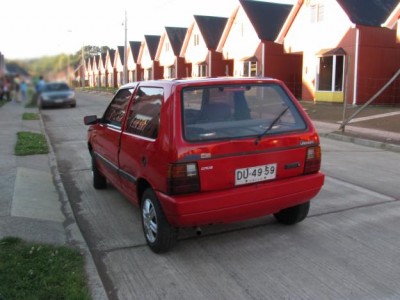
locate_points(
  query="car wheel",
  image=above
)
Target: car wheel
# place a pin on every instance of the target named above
(159, 234)
(73, 105)
(99, 181)
(293, 215)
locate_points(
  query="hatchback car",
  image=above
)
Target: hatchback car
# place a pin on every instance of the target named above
(56, 94)
(206, 151)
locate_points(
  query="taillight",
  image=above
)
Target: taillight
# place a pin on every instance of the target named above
(183, 178)
(313, 160)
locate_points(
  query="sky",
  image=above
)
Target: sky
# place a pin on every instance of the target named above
(33, 29)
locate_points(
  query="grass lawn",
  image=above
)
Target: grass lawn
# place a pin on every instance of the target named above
(40, 271)
(30, 116)
(29, 143)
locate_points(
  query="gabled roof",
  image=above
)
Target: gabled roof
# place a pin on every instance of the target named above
(368, 12)
(152, 42)
(135, 49)
(112, 55)
(176, 36)
(103, 59)
(14, 69)
(211, 29)
(393, 18)
(121, 53)
(267, 18)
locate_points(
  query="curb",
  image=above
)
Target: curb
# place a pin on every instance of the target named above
(72, 230)
(362, 141)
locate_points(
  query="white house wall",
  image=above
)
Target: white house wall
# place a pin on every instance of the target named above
(167, 56)
(241, 42)
(146, 62)
(196, 54)
(310, 38)
(305, 36)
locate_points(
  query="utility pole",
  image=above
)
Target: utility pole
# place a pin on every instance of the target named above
(125, 49)
(83, 68)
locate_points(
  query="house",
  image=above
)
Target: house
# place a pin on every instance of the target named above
(347, 55)
(168, 52)
(133, 68)
(102, 70)
(89, 70)
(248, 41)
(95, 70)
(200, 47)
(119, 64)
(110, 70)
(147, 58)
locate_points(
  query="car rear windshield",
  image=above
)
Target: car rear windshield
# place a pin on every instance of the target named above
(236, 111)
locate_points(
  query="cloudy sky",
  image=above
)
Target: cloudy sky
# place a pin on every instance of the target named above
(31, 29)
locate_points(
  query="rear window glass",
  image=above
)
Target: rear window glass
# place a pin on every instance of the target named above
(235, 111)
(52, 87)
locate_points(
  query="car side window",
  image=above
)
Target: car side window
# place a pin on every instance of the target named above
(117, 108)
(144, 114)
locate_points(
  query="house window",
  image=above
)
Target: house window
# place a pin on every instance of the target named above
(196, 39)
(250, 69)
(170, 72)
(148, 74)
(167, 47)
(202, 70)
(316, 13)
(331, 73)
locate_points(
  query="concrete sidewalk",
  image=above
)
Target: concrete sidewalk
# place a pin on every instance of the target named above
(375, 126)
(33, 203)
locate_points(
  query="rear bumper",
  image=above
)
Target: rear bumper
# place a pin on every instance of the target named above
(240, 203)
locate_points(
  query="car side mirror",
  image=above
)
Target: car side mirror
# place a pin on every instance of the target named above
(90, 120)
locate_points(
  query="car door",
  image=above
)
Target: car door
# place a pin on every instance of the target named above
(138, 155)
(107, 138)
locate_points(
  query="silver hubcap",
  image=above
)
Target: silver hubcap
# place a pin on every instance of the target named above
(149, 220)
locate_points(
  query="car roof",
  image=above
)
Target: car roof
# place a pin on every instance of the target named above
(202, 80)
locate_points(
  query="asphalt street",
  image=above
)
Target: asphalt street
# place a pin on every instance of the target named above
(346, 249)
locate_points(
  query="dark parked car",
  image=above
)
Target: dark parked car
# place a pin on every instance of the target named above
(56, 94)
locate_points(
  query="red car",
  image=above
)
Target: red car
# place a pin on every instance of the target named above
(205, 151)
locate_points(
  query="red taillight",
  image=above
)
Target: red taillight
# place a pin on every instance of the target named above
(183, 179)
(313, 160)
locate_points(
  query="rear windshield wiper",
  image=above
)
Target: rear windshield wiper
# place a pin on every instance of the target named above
(271, 125)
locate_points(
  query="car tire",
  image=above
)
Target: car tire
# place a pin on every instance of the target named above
(99, 180)
(73, 105)
(159, 234)
(294, 214)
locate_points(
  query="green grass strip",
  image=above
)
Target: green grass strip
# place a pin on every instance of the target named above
(30, 116)
(40, 271)
(29, 143)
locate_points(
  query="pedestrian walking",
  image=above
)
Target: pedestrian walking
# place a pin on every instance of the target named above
(24, 90)
(6, 89)
(16, 89)
(1, 88)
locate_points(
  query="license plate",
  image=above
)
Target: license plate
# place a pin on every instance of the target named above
(58, 101)
(255, 174)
